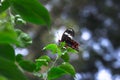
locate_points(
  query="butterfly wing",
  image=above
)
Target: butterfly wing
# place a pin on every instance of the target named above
(67, 37)
(68, 34)
(74, 45)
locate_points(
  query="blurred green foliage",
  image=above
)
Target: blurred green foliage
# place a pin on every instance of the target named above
(11, 37)
(11, 65)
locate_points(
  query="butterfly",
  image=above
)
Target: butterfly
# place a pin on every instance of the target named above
(67, 37)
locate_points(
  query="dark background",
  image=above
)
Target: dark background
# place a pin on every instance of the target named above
(97, 27)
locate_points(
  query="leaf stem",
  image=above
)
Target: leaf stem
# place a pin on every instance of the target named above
(45, 78)
(55, 61)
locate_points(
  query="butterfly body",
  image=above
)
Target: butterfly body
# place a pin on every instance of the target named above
(67, 37)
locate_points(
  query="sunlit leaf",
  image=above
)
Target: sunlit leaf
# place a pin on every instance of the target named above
(62, 44)
(61, 70)
(51, 47)
(68, 68)
(55, 72)
(43, 60)
(71, 50)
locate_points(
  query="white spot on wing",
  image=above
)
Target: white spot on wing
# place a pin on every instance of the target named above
(68, 35)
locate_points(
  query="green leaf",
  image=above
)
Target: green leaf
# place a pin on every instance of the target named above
(9, 70)
(19, 57)
(4, 5)
(52, 47)
(61, 70)
(62, 44)
(7, 34)
(55, 72)
(3, 78)
(65, 57)
(23, 39)
(43, 60)
(32, 11)
(71, 50)
(24, 64)
(3, 16)
(7, 52)
(66, 49)
(27, 65)
(68, 68)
